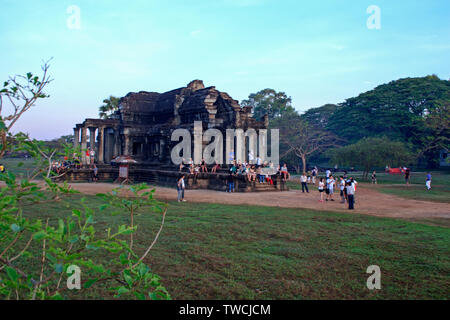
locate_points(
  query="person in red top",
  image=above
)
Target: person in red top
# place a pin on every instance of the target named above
(88, 156)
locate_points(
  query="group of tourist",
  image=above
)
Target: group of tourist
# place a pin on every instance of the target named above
(347, 187)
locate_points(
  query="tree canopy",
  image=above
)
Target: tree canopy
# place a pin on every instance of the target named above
(108, 108)
(372, 152)
(270, 102)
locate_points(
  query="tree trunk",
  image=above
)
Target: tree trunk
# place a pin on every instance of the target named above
(304, 163)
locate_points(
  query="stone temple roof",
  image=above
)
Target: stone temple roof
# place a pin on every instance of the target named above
(192, 98)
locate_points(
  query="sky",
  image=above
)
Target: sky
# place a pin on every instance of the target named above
(318, 52)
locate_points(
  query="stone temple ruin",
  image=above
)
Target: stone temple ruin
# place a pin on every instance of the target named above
(142, 128)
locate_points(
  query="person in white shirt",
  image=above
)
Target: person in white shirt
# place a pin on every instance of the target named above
(180, 188)
(321, 189)
(92, 155)
(303, 180)
(342, 187)
(250, 157)
(330, 188)
(350, 186)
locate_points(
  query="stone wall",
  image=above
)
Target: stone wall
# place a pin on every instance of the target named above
(168, 178)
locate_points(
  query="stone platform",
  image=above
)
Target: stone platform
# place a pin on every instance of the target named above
(167, 177)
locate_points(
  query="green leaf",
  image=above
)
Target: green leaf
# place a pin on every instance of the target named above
(12, 274)
(89, 283)
(123, 258)
(39, 235)
(127, 277)
(139, 295)
(122, 290)
(143, 269)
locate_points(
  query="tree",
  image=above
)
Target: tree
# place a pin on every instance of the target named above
(319, 117)
(269, 102)
(299, 137)
(436, 130)
(20, 93)
(399, 110)
(108, 108)
(369, 153)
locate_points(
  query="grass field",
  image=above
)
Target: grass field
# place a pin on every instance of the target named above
(212, 251)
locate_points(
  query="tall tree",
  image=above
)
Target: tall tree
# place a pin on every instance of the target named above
(108, 108)
(270, 102)
(302, 139)
(319, 117)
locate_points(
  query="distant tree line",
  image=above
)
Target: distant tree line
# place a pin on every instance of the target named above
(410, 116)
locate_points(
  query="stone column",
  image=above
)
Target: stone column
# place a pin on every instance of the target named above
(76, 139)
(116, 143)
(101, 143)
(92, 137)
(126, 150)
(83, 144)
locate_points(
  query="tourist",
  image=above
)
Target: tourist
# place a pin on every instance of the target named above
(250, 157)
(314, 174)
(330, 187)
(342, 187)
(304, 182)
(196, 171)
(321, 189)
(407, 175)
(88, 156)
(180, 168)
(269, 179)
(354, 185)
(327, 173)
(252, 174)
(374, 177)
(233, 169)
(350, 194)
(92, 156)
(95, 173)
(230, 182)
(428, 182)
(259, 173)
(258, 161)
(180, 188)
(204, 167)
(231, 156)
(215, 168)
(284, 172)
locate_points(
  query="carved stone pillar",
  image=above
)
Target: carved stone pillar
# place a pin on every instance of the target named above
(76, 139)
(83, 144)
(126, 150)
(101, 144)
(116, 143)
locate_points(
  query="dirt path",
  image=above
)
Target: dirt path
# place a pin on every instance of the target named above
(368, 201)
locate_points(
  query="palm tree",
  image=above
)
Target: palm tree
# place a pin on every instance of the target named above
(109, 106)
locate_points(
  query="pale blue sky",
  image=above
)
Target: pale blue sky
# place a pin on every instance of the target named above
(317, 51)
